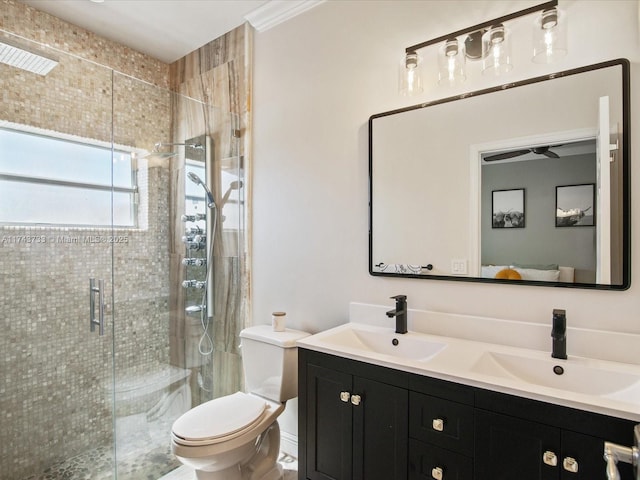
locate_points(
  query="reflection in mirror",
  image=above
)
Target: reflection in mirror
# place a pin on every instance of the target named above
(530, 177)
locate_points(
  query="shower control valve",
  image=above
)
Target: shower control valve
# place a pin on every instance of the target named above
(187, 238)
(193, 230)
(193, 218)
(195, 262)
(194, 284)
(195, 245)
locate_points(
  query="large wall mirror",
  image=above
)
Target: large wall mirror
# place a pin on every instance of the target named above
(526, 183)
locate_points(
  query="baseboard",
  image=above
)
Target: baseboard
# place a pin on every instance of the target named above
(289, 444)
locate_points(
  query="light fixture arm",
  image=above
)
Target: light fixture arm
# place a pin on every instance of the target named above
(481, 26)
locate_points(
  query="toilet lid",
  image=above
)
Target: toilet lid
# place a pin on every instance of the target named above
(219, 418)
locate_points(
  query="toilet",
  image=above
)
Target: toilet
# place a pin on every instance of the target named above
(237, 437)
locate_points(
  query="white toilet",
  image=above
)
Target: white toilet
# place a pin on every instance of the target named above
(237, 437)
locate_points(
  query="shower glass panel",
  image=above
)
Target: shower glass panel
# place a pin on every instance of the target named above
(55, 406)
(86, 198)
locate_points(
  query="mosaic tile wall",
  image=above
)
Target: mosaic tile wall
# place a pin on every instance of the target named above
(56, 378)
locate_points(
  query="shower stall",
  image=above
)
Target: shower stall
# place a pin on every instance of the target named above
(104, 339)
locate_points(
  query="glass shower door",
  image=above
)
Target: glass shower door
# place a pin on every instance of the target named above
(56, 233)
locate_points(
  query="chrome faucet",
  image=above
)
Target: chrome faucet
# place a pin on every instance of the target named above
(400, 313)
(559, 334)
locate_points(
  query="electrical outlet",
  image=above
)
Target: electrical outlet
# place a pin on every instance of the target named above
(459, 266)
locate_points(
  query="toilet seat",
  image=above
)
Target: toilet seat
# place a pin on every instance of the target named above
(219, 420)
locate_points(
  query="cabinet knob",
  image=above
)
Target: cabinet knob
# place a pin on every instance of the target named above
(550, 458)
(437, 473)
(570, 464)
(438, 424)
(356, 399)
(345, 396)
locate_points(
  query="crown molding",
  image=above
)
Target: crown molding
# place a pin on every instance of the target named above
(275, 12)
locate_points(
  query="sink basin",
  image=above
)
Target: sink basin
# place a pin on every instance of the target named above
(412, 346)
(575, 375)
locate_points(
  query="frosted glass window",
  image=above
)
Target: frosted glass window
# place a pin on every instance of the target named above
(46, 180)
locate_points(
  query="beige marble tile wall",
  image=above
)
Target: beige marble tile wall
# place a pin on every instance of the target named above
(55, 375)
(219, 74)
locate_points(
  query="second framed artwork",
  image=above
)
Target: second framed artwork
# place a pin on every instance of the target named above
(507, 208)
(575, 205)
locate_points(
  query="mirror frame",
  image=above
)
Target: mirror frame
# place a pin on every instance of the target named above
(626, 183)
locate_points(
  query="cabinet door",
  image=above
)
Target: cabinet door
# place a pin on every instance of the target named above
(428, 462)
(380, 431)
(582, 458)
(328, 422)
(509, 448)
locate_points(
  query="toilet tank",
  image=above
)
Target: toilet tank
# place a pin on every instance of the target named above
(270, 362)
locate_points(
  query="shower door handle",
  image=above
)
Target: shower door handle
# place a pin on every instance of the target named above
(92, 305)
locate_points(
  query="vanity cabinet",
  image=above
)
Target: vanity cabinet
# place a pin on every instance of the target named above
(354, 420)
(359, 421)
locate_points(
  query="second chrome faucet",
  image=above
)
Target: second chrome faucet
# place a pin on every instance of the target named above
(400, 313)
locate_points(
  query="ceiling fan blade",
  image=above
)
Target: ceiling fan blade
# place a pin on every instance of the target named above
(505, 155)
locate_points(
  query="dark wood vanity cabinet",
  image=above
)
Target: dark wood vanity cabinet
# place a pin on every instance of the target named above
(364, 422)
(353, 422)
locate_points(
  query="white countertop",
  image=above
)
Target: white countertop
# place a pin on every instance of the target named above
(470, 362)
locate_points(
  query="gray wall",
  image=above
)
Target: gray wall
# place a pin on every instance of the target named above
(573, 247)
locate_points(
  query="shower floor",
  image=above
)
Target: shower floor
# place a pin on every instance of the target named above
(97, 464)
(158, 464)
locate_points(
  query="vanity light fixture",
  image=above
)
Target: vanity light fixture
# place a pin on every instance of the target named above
(488, 41)
(549, 36)
(451, 62)
(496, 50)
(410, 74)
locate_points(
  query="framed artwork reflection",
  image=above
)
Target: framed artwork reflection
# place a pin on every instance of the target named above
(575, 205)
(507, 208)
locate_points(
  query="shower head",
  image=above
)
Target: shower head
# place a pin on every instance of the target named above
(198, 181)
(156, 153)
(159, 145)
(159, 155)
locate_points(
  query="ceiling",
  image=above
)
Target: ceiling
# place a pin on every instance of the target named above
(168, 29)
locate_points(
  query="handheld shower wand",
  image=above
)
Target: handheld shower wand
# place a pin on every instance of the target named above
(211, 203)
(232, 186)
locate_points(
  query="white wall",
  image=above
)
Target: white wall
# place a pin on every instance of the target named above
(318, 78)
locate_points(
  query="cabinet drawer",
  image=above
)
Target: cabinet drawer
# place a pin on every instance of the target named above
(441, 422)
(425, 460)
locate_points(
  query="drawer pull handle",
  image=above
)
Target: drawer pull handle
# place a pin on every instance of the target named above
(550, 458)
(437, 473)
(570, 464)
(345, 396)
(356, 399)
(438, 424)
